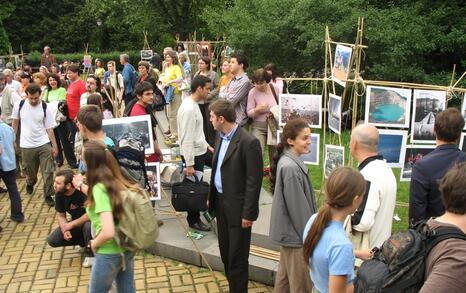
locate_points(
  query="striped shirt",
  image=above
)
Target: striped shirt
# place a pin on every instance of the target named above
(237, 93)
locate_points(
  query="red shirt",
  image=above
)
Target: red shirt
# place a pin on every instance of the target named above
(73, 97)
(139, 110)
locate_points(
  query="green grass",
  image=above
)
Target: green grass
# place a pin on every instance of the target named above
(316, 175)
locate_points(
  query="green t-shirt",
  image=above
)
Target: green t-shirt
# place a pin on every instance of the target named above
(102, 204)
(55, 95)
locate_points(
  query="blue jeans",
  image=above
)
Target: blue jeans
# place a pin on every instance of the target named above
(9, 177)
(109, 267)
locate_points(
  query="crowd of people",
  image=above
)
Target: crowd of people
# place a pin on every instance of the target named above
(225, 123)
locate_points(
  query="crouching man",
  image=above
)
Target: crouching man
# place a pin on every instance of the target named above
(69, 199)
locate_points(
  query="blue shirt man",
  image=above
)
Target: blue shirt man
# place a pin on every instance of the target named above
(226, 138)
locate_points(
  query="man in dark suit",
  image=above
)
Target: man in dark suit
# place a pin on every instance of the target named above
(425, 200)
(234, 191)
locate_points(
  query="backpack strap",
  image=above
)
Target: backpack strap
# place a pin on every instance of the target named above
(21, 104)
(274, 93)
(443, 233)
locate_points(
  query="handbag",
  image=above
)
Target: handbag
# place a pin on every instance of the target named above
(190, 196)
(360, 240)
(272, 123)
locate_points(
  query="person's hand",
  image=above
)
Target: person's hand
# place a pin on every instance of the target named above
(211, 149)
(54, 151)
(68, 226)
(190, 171)
(364, 254)
(67, 235)
(262, 107)
(246, 223)
(93, 247)
(78, 180)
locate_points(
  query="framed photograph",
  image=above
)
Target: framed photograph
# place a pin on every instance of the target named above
(463, 109)
(413, 154)
(87, 61)
(334, 158)
(392, 146)
(137, 127)
(388, 106)
(307, 107)
(153, 175)
(427, 104)
(334, 113)
(312, 158)
(462, 145)
(147, 55)
(342, 64)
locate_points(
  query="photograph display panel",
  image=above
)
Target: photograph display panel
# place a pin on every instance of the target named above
(312, 158)
(307, 107)
(413, 154)
(392, 146)
(427, 104)
(153, 176)
(334, 114)
(334, 158)
(388, 106)
(463, 110)
(136, 127)
(462, 145)
(342, 64)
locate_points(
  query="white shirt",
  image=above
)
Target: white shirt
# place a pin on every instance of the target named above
(16, 85)
(33, 124)
(191, 131)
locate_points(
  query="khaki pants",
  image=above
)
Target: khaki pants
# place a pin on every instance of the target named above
(293, 273)
(35, 157)
(173, 112)
(259, 130)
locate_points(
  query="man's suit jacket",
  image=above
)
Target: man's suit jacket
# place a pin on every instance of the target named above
(241, 177)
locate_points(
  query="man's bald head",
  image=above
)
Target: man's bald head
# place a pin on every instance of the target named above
(367, 137)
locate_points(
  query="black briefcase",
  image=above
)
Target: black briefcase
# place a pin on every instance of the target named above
(190, 196)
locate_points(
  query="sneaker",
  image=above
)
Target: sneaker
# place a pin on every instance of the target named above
(49, 201)
(29, 188)
(200, 226)
(159, 223)
(88, 262)
(3, 189)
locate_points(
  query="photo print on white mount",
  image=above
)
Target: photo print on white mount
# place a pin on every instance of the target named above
(153, 177)
(463, 110)
(413, 154)
(342, 64)
(462, 145)
(311, 158)
(388, 106)
(307, 107)
(334, 158)
(129, 129)
(392, 146)
(334, 113)
(427, 104)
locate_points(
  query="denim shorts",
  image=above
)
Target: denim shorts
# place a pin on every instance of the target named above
(108, 268)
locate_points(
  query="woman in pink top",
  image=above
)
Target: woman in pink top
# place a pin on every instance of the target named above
(260, 99)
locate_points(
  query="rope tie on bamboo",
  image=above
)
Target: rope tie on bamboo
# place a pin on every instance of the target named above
(359, 80)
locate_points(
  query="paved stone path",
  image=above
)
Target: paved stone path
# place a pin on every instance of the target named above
(28, 264)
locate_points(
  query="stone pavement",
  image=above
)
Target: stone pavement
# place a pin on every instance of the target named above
(28, 264)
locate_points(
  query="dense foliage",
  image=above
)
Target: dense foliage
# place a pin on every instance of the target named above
(416, 41)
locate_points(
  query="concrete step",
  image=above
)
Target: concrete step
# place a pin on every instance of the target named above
(173, 243)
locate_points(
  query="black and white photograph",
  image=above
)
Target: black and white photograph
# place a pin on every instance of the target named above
(334, 158)
(147, 55)
(137, 127)
(392, 146)
(341, 66)
(462, 145)
(413, 154)
(334, 113)
(427, 104)
(388, 106)
(307, 107)
(153, 176)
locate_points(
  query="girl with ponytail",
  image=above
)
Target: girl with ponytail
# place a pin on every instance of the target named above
(327, 249)
(293, 204)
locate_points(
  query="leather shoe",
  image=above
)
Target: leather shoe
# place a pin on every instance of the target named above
(49, 201)
(200, 226)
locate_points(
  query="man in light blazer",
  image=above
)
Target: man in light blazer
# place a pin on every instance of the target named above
(234, 191)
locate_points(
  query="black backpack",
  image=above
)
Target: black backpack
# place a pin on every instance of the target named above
(399, 264)
(130, 154)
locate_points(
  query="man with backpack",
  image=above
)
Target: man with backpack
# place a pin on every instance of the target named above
(37, 140)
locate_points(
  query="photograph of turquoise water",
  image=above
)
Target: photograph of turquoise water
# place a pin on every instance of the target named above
(388, 113)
